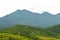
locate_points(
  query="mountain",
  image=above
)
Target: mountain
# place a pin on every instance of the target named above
(26, 17)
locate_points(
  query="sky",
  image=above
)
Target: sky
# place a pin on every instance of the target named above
(38, 6)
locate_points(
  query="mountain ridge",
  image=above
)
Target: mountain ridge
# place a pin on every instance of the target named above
(26, 17)
(30, 11)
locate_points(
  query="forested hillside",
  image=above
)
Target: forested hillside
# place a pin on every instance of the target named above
(55, 28)
(25, 32)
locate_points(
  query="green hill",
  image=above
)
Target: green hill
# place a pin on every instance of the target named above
(25, 32)
(55, 28)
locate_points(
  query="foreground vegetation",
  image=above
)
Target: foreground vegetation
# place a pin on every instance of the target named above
(24, 32)
(6, 36)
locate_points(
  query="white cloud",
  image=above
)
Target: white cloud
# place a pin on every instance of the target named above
(8, 6)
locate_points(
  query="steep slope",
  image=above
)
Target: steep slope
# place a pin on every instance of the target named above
(26, 17)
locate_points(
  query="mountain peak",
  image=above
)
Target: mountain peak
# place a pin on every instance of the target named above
(29, 18)
(24, 10)
(46, 13)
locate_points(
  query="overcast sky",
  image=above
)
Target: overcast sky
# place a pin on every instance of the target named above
(39, 6)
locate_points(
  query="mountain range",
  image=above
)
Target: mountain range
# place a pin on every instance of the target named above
(25, 17)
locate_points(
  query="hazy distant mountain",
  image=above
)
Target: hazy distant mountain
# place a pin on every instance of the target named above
(29, 18)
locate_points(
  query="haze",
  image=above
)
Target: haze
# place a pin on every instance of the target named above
(38, 6)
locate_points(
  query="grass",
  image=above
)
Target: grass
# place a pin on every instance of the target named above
(47, 38)
(23, 32)
(6, 36)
